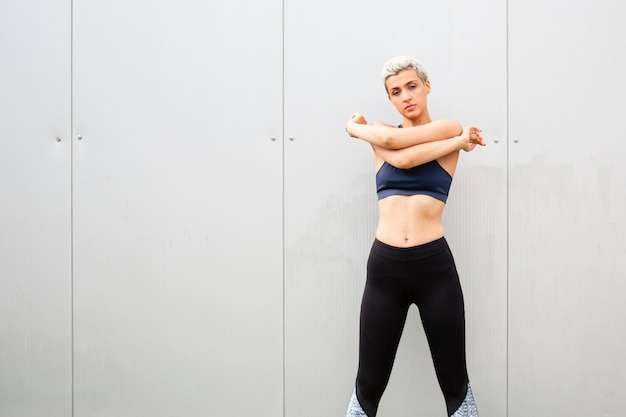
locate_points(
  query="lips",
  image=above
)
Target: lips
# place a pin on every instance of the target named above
(410, 107)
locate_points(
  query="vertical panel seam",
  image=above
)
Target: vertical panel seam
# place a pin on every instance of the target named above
(508, 209)
(72, 382)
(282, 161)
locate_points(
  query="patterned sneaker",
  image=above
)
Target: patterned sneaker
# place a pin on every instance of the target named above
(468, 406)
(354, 408)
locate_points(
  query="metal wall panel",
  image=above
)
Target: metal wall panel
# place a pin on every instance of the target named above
(178, 310)
(178, 208)
(35, 202)
(333, 56)
(567, 204)
(476, 213)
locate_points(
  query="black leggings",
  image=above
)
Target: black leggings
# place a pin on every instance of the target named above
(424, 275)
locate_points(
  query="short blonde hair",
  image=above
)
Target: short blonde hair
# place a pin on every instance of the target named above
(401, 63)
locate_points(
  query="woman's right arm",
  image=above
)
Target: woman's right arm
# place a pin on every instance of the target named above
(425, 152)
(388, 137)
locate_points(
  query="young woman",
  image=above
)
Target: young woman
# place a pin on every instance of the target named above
(410, 261)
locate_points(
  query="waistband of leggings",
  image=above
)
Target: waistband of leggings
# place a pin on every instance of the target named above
(413, 252)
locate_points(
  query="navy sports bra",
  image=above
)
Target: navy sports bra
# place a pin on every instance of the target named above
(428, 179)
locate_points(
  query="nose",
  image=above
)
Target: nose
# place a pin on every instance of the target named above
(405, 95)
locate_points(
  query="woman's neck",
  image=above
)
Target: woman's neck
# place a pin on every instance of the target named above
(421, 120)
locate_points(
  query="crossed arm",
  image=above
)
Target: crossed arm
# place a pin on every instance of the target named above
(413, 146)
(389, 137)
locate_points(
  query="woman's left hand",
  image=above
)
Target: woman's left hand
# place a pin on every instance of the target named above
(476, 136)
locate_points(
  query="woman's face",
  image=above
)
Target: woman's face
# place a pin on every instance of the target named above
(408, 94)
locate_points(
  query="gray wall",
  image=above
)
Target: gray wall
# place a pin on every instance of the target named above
(186, 225)
(35, 209)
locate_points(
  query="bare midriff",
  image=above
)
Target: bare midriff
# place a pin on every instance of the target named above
(409, 220)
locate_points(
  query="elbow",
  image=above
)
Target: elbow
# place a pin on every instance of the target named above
(456, 128)
(402, 163)
(450, 127)
(387, 141)
(386, 137)
(390, 141)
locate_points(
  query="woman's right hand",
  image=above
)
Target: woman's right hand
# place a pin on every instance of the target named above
(357, 118)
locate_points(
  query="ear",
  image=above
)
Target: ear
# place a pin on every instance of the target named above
(427, 85)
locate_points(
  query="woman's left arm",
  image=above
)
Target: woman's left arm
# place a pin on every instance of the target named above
(420, 154)
(388, 137)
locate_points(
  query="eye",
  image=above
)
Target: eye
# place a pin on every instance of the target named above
(395, 92)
